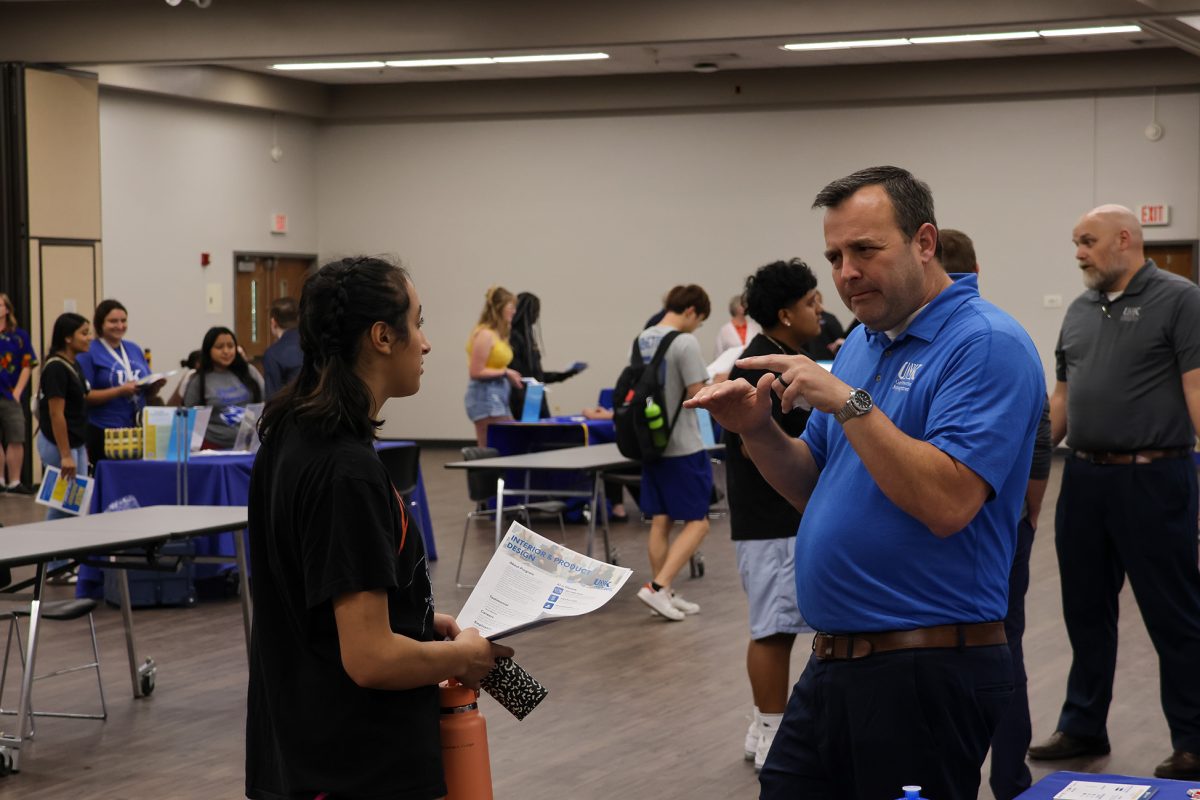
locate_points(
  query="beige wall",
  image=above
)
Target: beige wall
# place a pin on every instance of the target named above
(62, 122)
(600, 215)
(181, 179)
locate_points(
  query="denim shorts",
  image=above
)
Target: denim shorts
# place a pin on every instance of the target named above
(488, 399)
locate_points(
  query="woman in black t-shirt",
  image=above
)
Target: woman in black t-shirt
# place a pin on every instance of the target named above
(346, 650)
(62, 410)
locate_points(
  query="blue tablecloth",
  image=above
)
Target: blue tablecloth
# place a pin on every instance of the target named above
(1052, 784)
(551, 433)
(219, 480)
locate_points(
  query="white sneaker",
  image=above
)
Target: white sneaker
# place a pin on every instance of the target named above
(660, 602)
(683, 605)
(766, 736)
(752, 736)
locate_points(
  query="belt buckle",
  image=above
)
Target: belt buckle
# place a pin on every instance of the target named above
(827, 646)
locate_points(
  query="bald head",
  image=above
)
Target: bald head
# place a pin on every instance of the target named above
(1109, 247)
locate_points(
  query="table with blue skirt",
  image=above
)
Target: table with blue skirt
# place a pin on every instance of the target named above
(550, 433)
(212, 480)
(1055, 782)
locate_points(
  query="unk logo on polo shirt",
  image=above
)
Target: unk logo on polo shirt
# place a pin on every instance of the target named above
(906, 376)
(1131, 314)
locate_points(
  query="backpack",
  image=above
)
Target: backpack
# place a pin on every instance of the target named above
(638, 383)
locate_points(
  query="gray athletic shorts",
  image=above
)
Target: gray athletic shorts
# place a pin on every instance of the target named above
(769, 578)
(12, 420)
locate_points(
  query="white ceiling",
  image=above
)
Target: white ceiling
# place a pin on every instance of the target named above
(736, 54)
(641, 36)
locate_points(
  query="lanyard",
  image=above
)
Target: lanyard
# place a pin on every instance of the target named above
(122, 359)
(403, 518)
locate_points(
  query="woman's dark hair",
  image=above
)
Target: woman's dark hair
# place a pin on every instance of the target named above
(240, 367)
(777, 286)
(681, 298)
(338, 305)
(105, 308)
(192, 361)
(64, 328)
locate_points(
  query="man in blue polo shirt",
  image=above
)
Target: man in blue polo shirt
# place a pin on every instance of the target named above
(910, 473)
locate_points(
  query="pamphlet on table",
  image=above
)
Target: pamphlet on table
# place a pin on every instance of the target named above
(1091, 790)
(531, 581)
(73, 497)
(166, 428)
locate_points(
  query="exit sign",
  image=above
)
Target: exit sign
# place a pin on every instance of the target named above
(279, 223)
(1157, 214)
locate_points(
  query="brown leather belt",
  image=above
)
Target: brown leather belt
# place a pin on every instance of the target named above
(846, 646)
(1136, 457)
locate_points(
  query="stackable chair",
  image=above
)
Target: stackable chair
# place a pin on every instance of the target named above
(404, 467)
(481, 487)
(55, 611)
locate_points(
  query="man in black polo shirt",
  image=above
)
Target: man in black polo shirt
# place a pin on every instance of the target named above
(1129, 391)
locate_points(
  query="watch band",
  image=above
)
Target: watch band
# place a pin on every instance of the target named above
(858, 404)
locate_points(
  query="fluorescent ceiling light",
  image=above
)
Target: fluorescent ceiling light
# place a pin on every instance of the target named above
(974, 37)
(846, 45)
(331, 65)
(550, 57)
(1092, 31)
(441, 62)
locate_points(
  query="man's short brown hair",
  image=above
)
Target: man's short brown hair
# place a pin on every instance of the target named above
(286, 312)
(958, 251)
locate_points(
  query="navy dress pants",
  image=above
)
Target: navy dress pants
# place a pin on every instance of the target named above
(1010, 774)
(1137, 520)
(861, 729)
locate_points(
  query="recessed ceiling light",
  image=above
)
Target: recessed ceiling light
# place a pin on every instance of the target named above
(846, 45)
(550, 57)
(331, 65)
(440, 62)
(1092, 31)
(974, 37)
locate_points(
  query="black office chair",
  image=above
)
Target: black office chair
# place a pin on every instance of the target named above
(404, 468)
(481, 487)
(62, 611)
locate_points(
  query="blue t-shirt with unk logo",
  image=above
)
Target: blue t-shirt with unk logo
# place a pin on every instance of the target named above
(965, 377)
(104, 369)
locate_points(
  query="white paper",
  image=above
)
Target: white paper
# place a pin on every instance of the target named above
(531, 581)
(723, 363)
(156, 377)
(1091, 790)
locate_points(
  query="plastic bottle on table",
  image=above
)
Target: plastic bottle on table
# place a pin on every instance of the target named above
(911, 793)
(656, 423)
(465, 759)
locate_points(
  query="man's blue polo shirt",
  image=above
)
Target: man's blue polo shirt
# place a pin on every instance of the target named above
(966, 378)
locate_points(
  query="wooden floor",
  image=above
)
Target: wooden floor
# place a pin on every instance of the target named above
(638, 707)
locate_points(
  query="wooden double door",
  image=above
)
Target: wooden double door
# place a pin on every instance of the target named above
(261, 280)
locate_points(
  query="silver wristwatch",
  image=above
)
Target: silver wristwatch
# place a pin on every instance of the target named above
(860, 403)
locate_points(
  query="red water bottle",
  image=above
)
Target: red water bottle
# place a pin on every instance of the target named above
(465, 759)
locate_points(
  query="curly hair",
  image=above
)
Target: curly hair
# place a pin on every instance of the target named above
(776, 286)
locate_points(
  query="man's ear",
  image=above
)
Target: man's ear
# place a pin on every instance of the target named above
(926, 238)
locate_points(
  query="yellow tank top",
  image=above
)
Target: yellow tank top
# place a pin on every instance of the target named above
(501, 354)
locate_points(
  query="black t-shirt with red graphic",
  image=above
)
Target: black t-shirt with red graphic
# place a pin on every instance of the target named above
(324, 521)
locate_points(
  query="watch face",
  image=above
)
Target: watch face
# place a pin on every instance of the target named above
(862, 401)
